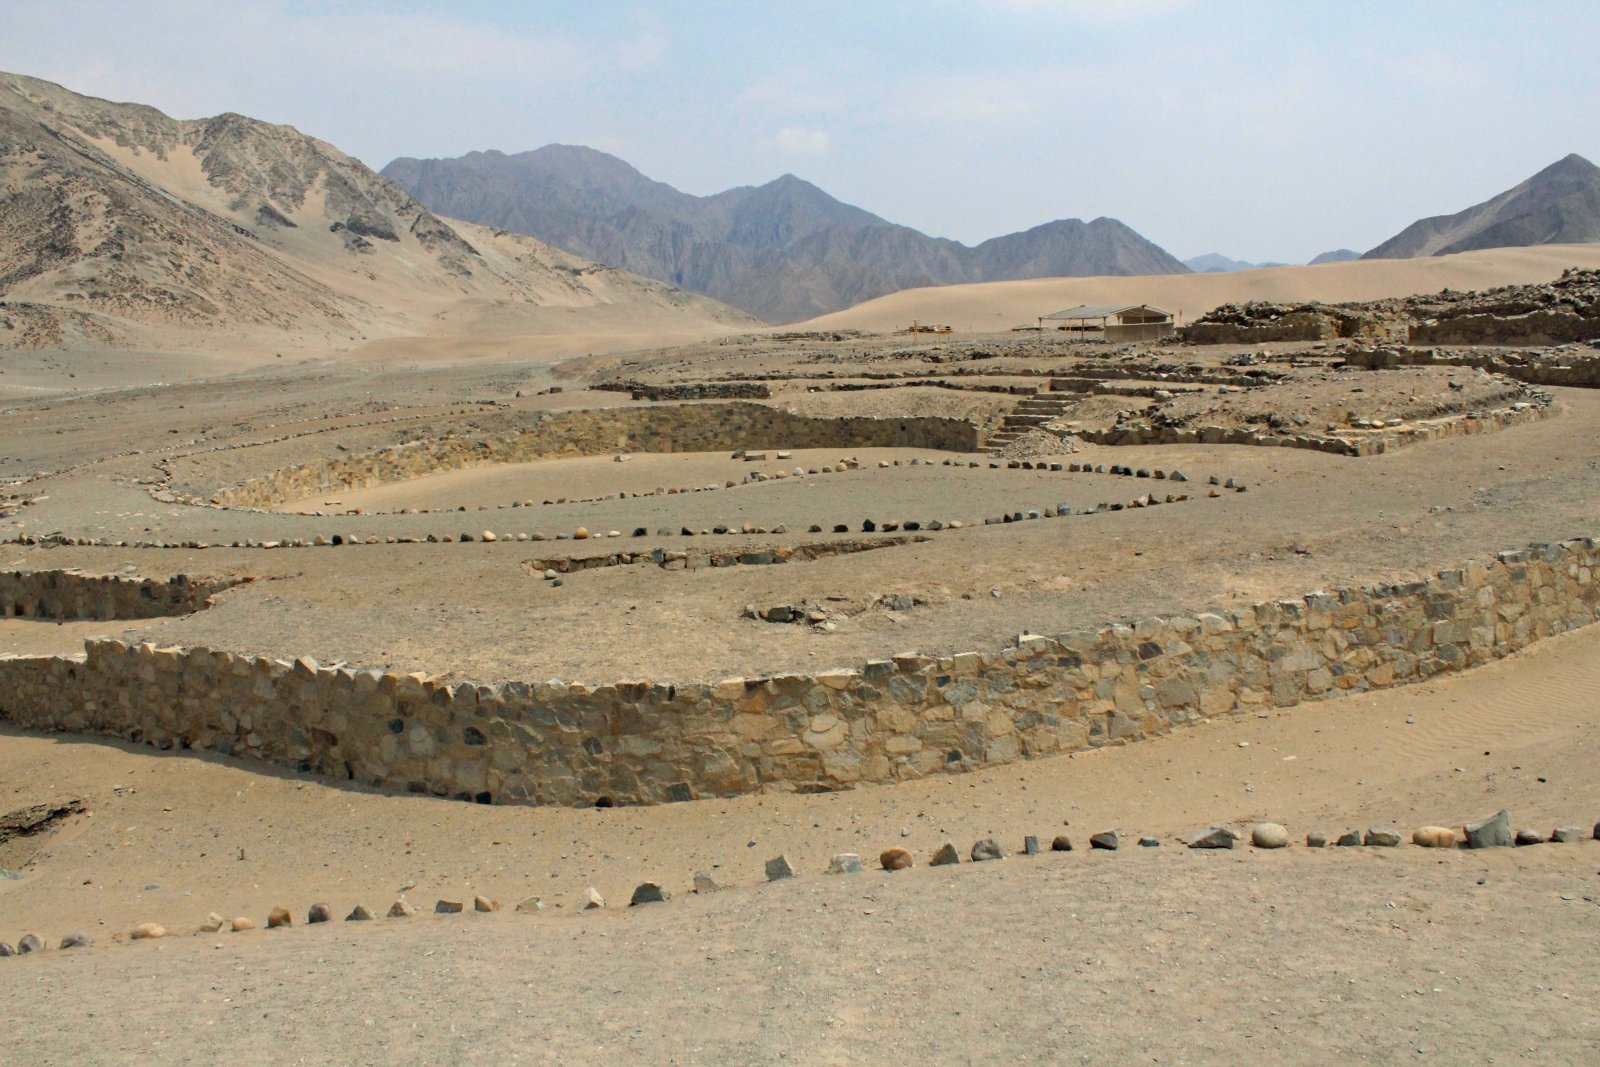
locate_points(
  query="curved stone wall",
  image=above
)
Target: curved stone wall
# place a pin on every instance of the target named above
(60, 595)
(599, 431)
(889, 720)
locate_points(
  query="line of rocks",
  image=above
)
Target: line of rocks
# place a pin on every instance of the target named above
(1492, 832)
(1061, 510)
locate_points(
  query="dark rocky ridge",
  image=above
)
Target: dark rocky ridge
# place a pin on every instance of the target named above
(1558, 205)
(784, 251)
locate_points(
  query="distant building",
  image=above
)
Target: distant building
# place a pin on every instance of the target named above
(1114, 322)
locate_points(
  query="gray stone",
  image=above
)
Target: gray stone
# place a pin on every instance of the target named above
(6, 950)
(1493, 832)
(1567, 835)
(319, 913)
(1349, 839)
(1110, 840)
(946, 856)
(531, 905)
(1269, 835)
(1030, 846)
(778, 867)
(987, 849)
(448, 907)
(29, 943)
(78, 940)
(360, 914)
(649, 893)
(845, 863)
(1316, 839)
(1215, 837)
(401, 909)
(1381, 837)
(705, 883)
(1526, 836)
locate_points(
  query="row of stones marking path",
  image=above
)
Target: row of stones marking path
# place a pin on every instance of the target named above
(1492, 832)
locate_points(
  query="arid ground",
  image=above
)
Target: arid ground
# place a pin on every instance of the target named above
(135, 464)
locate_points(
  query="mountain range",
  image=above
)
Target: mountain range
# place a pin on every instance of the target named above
(122, 226)
(782, 251)
(1558, 205)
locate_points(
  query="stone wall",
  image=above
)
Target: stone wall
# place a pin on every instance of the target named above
(589, 432)
(1544, 327)
(1574, 367)
(1366, 444)
(60, 595)
(888, 720)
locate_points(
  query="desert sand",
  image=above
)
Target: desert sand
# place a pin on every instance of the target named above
(994, 306)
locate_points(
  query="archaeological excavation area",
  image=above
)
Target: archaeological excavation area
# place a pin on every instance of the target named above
(796, 562)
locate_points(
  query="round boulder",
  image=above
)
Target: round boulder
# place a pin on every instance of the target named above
(895, 859)
(1269, 835)
(1434, 837)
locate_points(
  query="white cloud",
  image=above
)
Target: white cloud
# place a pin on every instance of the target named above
(801, 141)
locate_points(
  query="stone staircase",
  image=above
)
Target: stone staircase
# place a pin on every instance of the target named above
(1035, 410)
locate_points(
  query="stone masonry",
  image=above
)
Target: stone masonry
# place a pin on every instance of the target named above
(890, 719)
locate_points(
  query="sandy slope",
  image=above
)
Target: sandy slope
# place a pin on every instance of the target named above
(1002, 305)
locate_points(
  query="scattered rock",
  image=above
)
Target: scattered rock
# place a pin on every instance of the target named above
(213, 924)
(1316, 839)
(1493, 832)
(592, 899)
(1061, 843)
(319, 913)
(142, 932)
(1269, 835)
(648, 893)
(1030, 845)
(6, 950)
(987, 849)
(946, 856)
(1149, 842)
(1567, 835)
(1110, 840)
(279, 917)
(240, 924)
(778, 867)
(401, 910)
(448, 907)
(1526, 836)
(1215, 837)
(485, 904)
(530, 905)
(359, 914)
(705, 883)
(1349, 839)
(845, 863)
(78, 940)
(1381, 837)
(1434, 837)
(895, 859)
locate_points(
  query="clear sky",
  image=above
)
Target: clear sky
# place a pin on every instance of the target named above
(1260, 130)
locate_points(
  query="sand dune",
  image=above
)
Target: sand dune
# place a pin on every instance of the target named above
(994, 306)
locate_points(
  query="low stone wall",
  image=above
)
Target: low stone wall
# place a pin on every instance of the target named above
(599, 431)
(1572, 367)
(1262, 324)
(59, 595)
(1542, 327)
(1369, 443)
(891, 719)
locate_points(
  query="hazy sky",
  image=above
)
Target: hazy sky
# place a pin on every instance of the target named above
(1261, 130)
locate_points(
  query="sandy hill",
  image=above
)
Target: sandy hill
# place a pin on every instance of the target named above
(1559, 205)
(783, 251)
(122, 226)
(1002, 305)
